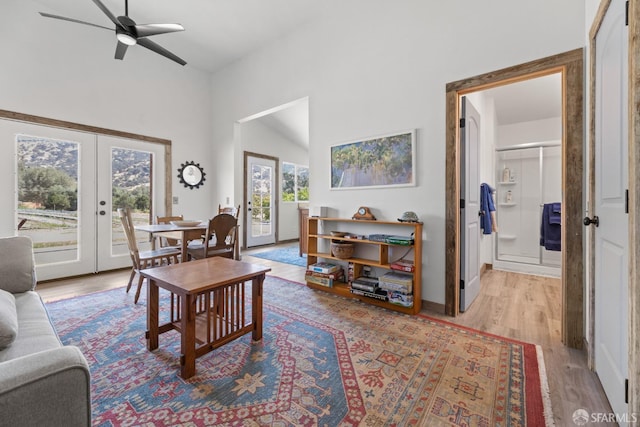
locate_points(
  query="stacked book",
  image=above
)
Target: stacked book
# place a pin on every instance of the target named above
(398, 286)
(403, 265)
(399, 240)
(324, 274)
(368, 287)
(394, 240)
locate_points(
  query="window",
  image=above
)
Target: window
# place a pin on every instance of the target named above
(295, 183)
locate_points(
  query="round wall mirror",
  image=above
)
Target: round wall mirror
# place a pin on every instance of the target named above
(191, 175)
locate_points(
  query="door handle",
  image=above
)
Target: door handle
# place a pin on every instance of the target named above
(102, 213)
(588, 221)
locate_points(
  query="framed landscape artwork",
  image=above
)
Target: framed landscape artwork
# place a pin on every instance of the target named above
(381, 161)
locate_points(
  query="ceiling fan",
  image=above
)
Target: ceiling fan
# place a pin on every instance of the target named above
(129, 33)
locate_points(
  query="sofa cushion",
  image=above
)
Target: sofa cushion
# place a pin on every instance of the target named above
(35, 331)
(8, 319)
(17, 264)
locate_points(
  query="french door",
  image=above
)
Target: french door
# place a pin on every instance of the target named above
(67, 187)
(260, 183)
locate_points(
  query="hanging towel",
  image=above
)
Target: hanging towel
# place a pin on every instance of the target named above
(554, 215)
(487, 210)
(550, 228)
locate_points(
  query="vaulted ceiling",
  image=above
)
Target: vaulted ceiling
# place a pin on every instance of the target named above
(220, 32)
(217, 32)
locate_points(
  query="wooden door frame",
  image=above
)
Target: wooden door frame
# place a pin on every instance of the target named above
(634, 199)
(570, 65)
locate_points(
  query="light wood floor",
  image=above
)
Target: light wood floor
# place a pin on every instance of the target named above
(517, 306)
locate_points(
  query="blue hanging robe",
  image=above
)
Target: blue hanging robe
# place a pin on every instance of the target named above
(487, 210)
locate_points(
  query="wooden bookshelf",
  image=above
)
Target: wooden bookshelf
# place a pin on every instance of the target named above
(378, 254)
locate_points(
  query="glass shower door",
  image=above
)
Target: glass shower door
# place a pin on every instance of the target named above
(527, 178)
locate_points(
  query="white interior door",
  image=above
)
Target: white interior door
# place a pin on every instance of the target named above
(261, 201)
(469, 214)
(611, 183)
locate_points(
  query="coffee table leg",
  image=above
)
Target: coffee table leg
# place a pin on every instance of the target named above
(256, 310)
(152, 314)
(188, 337)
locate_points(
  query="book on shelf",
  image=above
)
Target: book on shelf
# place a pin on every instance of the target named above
(394, 287)
(339, 274)
(378, 237)
(322, 281)
(403, 265)
(400, 298)
(362, 283)
(397, 281)
(350, 272)
(400, 240)
(397, 277)
(323, 267)
(378, 294)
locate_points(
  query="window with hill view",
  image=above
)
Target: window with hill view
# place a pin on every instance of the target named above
(295, 182)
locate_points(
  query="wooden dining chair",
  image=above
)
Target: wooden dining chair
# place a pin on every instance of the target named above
(232, 210)
(165, 242)
(143, 259)
(220, 238)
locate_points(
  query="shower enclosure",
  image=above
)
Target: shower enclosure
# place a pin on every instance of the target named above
(528, 176)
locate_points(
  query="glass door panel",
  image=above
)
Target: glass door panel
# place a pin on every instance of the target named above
(48, 172)
(53, 196)
(133, 177)
(261, 204)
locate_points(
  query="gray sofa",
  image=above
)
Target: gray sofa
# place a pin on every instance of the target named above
(42, 382)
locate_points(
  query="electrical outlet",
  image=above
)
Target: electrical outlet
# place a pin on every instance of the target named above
(175, 200)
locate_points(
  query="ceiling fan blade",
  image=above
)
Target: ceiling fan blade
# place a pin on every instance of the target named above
(107, 12)
(121, 49)
(64, 18)
(146, 30)
(159, 49)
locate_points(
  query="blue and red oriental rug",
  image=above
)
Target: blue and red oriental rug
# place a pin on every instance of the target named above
(323, 361)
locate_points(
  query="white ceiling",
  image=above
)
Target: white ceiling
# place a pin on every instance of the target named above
(529, 100)
(291, 122)
(219, 32)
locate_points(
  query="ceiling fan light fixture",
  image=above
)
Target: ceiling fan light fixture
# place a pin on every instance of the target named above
(126, 39)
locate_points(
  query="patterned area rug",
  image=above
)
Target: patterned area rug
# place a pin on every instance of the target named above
(323, 361)
(288, 255)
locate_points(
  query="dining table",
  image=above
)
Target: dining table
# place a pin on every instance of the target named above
(184, 233)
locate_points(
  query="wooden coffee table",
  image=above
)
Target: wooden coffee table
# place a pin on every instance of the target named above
(208, 305)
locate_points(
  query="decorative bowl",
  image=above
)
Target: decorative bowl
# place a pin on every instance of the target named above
(186, 223)
(339, 233)
(342, 250)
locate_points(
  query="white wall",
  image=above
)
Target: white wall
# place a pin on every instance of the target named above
(66, 71)
(379, 67)
(543, 130)
(258, 138)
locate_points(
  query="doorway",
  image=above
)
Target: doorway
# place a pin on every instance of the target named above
(280, 133)
(69, 180)
(570, 66)
(261, 189)
(522, 159)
